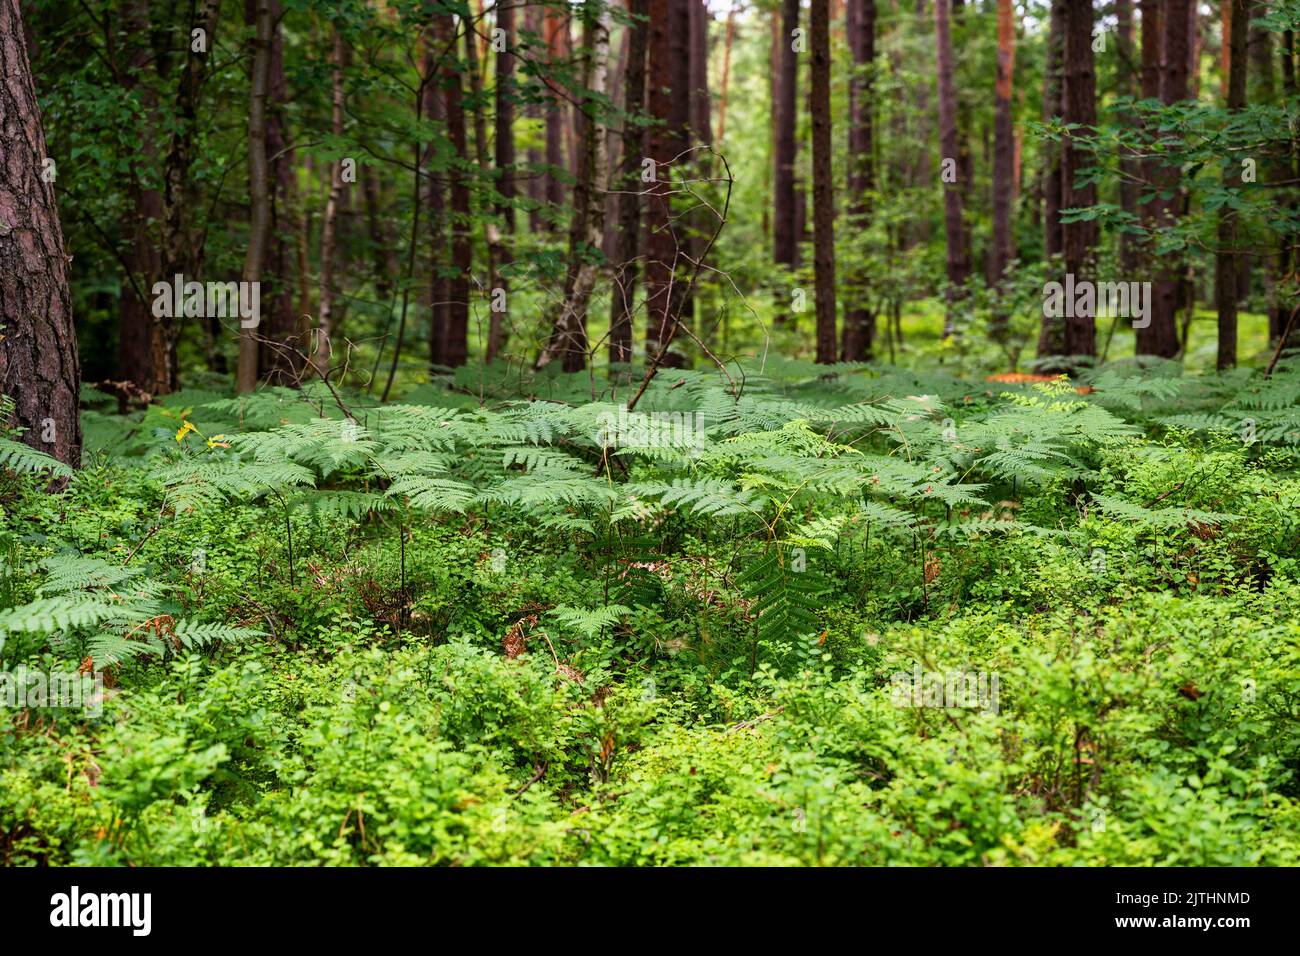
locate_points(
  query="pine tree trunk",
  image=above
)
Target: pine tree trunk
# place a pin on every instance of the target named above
(1053, 241)
(1129, 168)
(1079, 98)
(823, 186)
(958, 261)
(259, 193)
(505, 161)
(1161, 337)
(1225, 260)
(785, 241)
(669, 63)
(135, 351)
(455, 347)
(281, 358)
(1003, 152)
(569, 329)
(180, 246)
(557, 26)
(860, 25)
(39, 368)
(325, 318)
(629, 201)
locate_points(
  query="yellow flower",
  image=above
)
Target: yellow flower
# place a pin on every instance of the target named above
(185, 430)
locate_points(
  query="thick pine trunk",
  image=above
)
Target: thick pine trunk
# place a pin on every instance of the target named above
(39, 369)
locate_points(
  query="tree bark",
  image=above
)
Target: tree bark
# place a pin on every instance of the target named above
(180, 249)
(324, 319)
(1053, 240)
(455, 344)
(281, 357)
(1225, 260)
(144, 261)
(785, 240)
(823, 187)
(39, 367)
(1161, 337)
(569, 330)
(505, 162)
(1079, 238)
(859, 319)
(623, 294)
(1003, 151)
(669, 63)
(259, 218)
(1129, 168)
(958, 260)
(557, 26)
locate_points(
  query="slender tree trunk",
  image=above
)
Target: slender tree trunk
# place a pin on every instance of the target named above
(860, 25)
(823, 187)
(135, 351)
(505, 163)
(432, 194)
(1129, 170)
(280, 330)
(569, 331)
(259, 192)
(39, 368)
(1079, 98)
(1161, 337)
(491, 232)
(669, 63)
(958, 261)
(701, 102)
(557, 27)
(1053, 241)
(324, 320)
(537, 178)
(785, 240)
(1003, 153)
(726, 74)
(455, 347)
(180, 248)
(1225, 260)
(623, 294)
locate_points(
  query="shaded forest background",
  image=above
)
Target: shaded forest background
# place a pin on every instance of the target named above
(418, 186)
